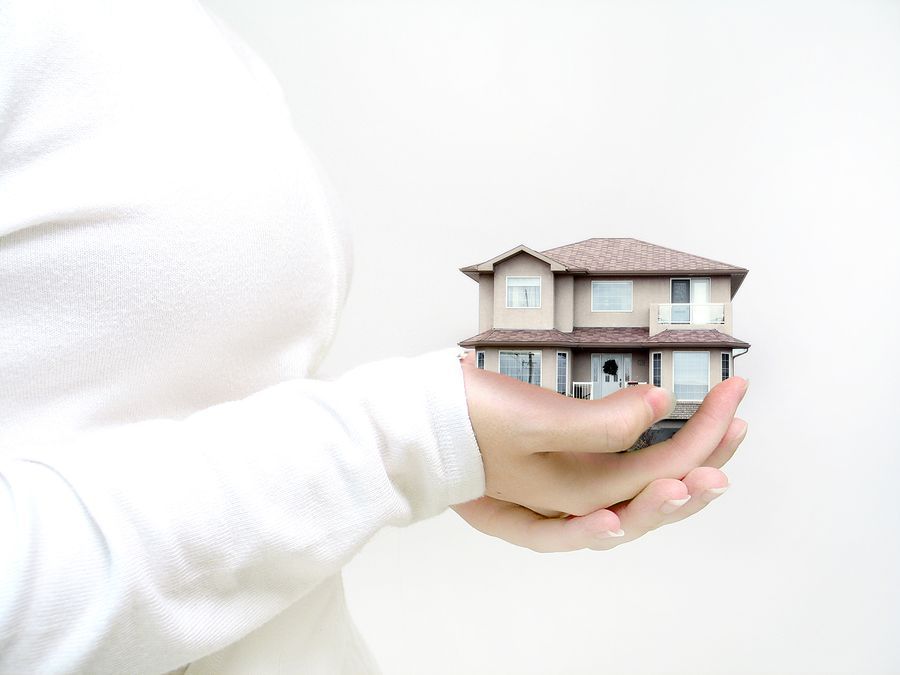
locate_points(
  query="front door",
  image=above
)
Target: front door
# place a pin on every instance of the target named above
(607, 373)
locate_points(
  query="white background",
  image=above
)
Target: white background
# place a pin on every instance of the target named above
(763, 134)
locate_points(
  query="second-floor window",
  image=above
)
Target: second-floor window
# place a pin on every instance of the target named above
(523, 292)
(611, 296)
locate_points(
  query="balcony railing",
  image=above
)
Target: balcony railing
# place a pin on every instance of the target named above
(583, 390)
(686, 312)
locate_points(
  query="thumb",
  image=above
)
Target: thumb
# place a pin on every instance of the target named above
(611, 424)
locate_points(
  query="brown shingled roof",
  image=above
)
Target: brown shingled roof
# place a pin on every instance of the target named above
(604, 337)
(632, 255)
(691, 336)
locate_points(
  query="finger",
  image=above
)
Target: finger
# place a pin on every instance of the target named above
(648, 510)
(735, 435)
(524, 527)
(689, 448)
(704, 484)
(608, 425)
(545, 422)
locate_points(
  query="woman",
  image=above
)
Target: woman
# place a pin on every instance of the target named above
(178, 492)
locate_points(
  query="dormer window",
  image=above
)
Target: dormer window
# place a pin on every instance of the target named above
(612, 296)
(523, 292)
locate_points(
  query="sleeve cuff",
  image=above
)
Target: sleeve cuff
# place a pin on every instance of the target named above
(419, 415)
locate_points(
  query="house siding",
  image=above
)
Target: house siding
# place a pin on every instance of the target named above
(646, 292)
(523, 264)
(564, 303)
(485, 302)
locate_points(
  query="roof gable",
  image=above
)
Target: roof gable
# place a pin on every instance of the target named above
(488, 265)
(620, 256)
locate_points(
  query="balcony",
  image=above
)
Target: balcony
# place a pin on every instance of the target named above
(674, 315)
(691, 313)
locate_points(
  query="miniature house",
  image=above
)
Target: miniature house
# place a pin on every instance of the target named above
(590, 318)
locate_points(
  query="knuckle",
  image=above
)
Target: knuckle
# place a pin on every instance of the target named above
(619, 429)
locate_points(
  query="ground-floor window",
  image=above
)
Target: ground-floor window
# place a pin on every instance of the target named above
(656, 368)
(525, 366)
(691, 375)
(726, 365)
(479, 359)
(562, 373)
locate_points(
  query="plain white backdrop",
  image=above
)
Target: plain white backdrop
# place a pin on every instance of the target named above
(762, 133)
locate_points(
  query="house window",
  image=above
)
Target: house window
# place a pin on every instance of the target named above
(691, 375)
(523, 292)
(691, 291)
(562, 373)
(611, 296)
(656, 364)
(525, 366)
(479, 359)
(726, 365)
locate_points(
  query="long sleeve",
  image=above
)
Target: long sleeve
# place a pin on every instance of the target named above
(172, 271)
(147, 545)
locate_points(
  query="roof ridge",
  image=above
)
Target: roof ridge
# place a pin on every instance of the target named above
(575, 243)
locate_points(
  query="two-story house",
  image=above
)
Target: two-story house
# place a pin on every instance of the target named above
(589, 318)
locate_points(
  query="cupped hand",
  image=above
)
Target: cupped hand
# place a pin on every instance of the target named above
(547, 456)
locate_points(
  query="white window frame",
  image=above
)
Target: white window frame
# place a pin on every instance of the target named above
(690, 279)
(614, 281)
(708, 373)
(523, 351)
(722, 365)
(568, 369)
(479, 359)
(652, 354)
(539, 287)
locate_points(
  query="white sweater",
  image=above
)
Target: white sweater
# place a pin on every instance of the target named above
(173, 489)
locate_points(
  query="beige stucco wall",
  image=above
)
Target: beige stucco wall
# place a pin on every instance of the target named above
(646, 291)
(566, 300)
(564, 306)
(523, 264)
(491, 358)
(485, 302)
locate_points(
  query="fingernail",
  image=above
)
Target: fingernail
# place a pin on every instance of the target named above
(613, 533)
(661, 400)
(674, 504)
(711, 493)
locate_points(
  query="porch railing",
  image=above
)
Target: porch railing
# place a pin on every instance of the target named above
(583, 390)
(687, 312)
